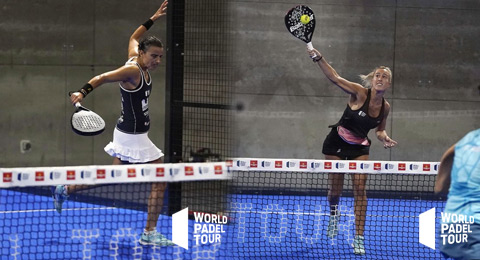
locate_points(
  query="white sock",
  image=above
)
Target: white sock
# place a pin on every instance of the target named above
(149, 232)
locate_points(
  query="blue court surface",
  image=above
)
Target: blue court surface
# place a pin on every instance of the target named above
(262, 227)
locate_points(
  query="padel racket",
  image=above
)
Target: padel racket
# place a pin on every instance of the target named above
(86, 122)
(300, 22)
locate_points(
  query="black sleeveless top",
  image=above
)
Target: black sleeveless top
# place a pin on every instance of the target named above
(135, 118)
(358, 121)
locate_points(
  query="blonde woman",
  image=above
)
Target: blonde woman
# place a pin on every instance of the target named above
(348, 139)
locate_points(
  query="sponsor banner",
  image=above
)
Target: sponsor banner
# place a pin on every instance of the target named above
(105, 174)
(310, 165)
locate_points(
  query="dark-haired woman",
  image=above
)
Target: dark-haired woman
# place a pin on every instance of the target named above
(130, 138)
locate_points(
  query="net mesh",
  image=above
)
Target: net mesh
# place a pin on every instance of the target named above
(282, 210)
(207, 94)
(106, 218)
(274, 209)
(207, 81)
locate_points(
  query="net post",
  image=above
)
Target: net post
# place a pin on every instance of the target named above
(174, 96)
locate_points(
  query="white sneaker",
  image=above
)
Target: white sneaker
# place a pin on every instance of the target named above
(155, 238)
(332, 229)
(59, 194)
(359, 245)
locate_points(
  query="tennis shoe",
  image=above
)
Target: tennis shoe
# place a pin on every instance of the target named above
(332, 229)
(59, 194)
(359, 245)
(155, 238)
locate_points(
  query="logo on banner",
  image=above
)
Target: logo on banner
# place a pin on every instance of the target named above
(253, 163)
(413, 167)
(455, 228)
(188, 170)
(116, 173)
(339, 165)
(229, 163)
(85, 174)
(352, 165)
(174, 171)
(7, 177)
(39, 176)
(203, 170)
(241, 163)
(207, 229)
(303, 165)
(315, 165)
(131, 173)
(278, 164)
(389, 166)
(426, 167)
(377, 166)
(146, 171)
(291, 164)
(402, 166)
(327, 165)
(101, 173)
(265, 164)
(160, 172)
(218, 169)
(70, 175)
(55, 175)
(22, 176)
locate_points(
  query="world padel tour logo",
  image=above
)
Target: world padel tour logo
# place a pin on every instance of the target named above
(207, 229)
(453, 230)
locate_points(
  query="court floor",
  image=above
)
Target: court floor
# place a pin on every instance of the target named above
(262, 227)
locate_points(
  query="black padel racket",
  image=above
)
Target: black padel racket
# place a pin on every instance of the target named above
(86, 122)
(300, 22)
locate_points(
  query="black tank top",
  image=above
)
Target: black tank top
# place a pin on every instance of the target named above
(135, 118)
(358, 121)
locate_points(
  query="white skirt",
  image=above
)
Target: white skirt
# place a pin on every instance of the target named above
(133, 148)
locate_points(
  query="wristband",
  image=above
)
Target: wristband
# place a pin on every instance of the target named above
(148, 23)
(316, 59)
(86, 89)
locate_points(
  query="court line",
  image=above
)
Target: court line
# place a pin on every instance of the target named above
(47, 210)
(316, 214)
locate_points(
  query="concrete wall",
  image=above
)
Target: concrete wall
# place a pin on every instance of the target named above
(431, 46)
(48, 48)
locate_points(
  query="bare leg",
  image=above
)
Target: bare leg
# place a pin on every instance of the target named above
(360, 199)
(155, 202)
(335, 181)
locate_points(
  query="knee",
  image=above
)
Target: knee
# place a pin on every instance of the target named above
(360, 191)
(159, 186)
(334, 193)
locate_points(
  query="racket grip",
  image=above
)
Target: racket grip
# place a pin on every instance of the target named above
(310, 47)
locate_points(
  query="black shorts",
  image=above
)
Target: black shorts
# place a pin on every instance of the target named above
(334, 145)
